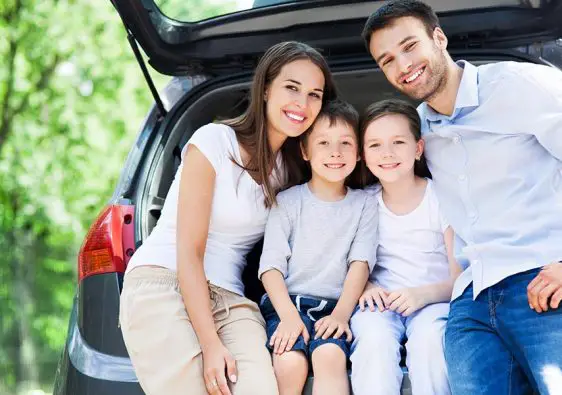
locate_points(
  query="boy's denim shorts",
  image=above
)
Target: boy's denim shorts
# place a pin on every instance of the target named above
(311, 310)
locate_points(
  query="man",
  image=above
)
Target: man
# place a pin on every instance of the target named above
(493, 138)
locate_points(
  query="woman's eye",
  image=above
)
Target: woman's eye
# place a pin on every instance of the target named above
(316, 95)
(292, 87)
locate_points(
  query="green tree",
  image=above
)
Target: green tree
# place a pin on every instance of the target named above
(71, 99)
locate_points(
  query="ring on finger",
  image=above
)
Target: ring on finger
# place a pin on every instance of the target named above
(214, 383)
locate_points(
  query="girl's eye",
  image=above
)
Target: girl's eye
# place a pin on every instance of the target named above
(346, 143)
(374, 145)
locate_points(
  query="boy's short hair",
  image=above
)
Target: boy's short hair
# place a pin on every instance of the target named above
(336, 111)
(388, 13)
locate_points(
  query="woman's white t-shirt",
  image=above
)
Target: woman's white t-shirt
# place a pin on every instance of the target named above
(411, 249)
(238, 213)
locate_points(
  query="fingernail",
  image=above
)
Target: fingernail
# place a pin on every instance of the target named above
(233, 378)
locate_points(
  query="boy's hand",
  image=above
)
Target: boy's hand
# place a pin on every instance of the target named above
(287, 333)
(331, 324)
(406, 301)
(374, 296)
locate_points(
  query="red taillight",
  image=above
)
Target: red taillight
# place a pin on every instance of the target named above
(109, 243)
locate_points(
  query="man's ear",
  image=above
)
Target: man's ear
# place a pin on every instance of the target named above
(440, 38)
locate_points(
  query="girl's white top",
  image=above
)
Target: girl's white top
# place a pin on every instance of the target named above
(238, 213)
(411, 249)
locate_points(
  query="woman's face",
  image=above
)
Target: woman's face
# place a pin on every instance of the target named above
(293, 99)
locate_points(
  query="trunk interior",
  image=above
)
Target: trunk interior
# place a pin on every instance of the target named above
(360, 87)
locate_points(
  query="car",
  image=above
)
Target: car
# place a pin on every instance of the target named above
(212, 63)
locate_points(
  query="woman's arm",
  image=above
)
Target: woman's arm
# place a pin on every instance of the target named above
(194, 211)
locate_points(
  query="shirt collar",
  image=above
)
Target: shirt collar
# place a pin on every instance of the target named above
(467, 95)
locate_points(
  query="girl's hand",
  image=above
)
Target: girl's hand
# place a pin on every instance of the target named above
(374, 296)
(331, 324)
(287, 333)
(217, 359)
(406, 301)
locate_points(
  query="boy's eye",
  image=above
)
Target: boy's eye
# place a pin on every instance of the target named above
(322, 142)
(398, 142)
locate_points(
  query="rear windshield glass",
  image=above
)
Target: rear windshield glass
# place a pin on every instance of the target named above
(197, 10)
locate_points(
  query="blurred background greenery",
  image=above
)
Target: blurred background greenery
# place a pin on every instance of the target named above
(71, 99)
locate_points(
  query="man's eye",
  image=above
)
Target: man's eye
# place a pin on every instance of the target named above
(410, 46)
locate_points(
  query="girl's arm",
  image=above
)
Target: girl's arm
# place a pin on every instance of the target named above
(194, 211)
(408, 300)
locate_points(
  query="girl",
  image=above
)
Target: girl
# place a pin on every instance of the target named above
(413, 280)
(318, 252)
(187, 326)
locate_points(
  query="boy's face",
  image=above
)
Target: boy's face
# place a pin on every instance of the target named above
(331, 150)
(390, 148)
(413, 61)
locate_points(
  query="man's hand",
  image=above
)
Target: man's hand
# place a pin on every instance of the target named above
(332, 325)
(547, 284)
(406, 301)
(374, 296)
(287, 333)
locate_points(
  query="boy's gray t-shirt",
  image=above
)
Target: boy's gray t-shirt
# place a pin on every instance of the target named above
(312, 242)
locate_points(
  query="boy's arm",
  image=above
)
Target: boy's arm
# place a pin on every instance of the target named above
(353, 286)
(362, 259)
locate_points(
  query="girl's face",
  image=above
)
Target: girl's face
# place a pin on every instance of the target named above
(390, 148)
(294, 98)
(332, 151)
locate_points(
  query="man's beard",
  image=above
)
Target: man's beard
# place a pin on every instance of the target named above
(438, 74)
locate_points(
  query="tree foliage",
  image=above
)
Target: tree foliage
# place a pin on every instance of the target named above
(71, 99)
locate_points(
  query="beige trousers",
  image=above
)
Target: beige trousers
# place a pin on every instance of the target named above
(163, 346)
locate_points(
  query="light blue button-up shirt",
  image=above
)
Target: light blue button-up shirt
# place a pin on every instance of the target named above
(497, 169)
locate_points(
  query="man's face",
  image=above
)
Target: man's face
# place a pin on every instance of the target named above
(413, 61)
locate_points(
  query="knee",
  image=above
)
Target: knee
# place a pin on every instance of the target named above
(372, 347)
(290, 364)
(328, 357)
(426, 347)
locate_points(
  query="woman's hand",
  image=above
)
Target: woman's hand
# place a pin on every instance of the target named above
(374, 296)
(287, 333)
(216, 360)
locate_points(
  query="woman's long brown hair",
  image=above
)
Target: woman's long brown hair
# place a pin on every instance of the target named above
(251, 126)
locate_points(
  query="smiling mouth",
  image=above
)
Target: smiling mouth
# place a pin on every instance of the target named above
(414, 76)
(294, 117)
(390, 166)
(334, 165)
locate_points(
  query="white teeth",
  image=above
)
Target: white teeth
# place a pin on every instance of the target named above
(335, 166)
(415, 75)
(295, 117)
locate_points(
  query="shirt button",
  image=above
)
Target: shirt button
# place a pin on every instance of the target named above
(456, 139)
(462, 177)
(472, 214)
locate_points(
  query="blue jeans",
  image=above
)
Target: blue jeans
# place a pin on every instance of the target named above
(310, 310)
(498, 345)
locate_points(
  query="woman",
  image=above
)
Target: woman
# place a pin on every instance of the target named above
(186, 324)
